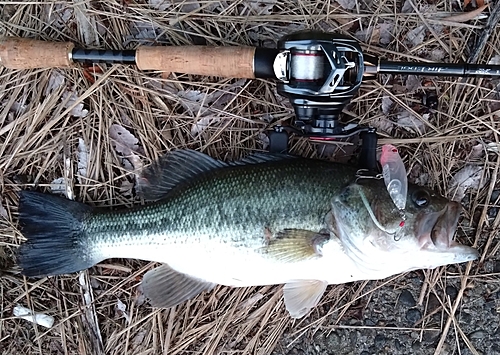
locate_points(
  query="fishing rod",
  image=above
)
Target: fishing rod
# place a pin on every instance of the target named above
(318, 72)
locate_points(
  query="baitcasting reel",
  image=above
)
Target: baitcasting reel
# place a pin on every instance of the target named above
(320, 73)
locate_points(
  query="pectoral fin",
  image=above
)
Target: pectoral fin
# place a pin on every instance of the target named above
(302, 295)
(292, 245)
(165, 287)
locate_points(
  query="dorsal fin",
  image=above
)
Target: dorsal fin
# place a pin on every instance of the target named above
(259, 158)
(180, 166)
(173, 169)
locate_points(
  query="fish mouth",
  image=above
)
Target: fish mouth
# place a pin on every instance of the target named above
(437, 232)
(445, 226)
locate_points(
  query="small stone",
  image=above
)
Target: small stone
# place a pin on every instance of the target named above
(465, 318)
(478, 334)
(333, 340)
(406, 299)
(430, 336)
(496, 267)
(417, 347)
(369, 322)
(433, 302)
(397, 344)
(452, 293)
(380, 341)
(365, 353)
(353, 338)
(494, 196)
(413, 315)
(492, 212)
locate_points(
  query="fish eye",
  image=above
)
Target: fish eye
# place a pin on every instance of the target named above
(421, 198)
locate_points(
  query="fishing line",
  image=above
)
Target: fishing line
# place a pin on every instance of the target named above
(372, 215)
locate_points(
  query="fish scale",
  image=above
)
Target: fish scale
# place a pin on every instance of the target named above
(232, 205)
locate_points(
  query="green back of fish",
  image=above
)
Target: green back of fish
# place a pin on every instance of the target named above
(237, 204)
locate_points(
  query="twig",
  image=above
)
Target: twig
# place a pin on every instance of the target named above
(486, 32)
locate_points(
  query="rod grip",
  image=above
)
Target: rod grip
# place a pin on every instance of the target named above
(227, 62)
(26, 53)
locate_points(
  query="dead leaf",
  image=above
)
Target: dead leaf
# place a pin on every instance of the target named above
(56, 80)
(347, 4)
(263, 139)
(126, 144)
(364, 35)
(382, 124)
(477, 152)
(205, 105)
(412, 83)
(469, 177)
(467, 16)
(260, 7)
(59, 15)
(248, 303)
(83, 157)
(186, 6)
(203, 123)
(407, 7)
(142, 33)
(416, 36)
(412, 123)
(3, 211)
(126, 186)
(160, 5)
(85, 23)
(386, 35)
(437, 55)
(386, 105)
(139, 338)
(417, 176)
(71, 98)
(121, 309)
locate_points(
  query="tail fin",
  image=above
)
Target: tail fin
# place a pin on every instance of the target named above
(56, 238)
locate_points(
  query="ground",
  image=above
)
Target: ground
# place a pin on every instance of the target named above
(85, 130)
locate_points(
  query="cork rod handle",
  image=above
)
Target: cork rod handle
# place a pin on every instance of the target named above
(25, 53)
(229, 62)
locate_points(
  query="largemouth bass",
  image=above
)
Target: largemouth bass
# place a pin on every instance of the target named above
(264, 220)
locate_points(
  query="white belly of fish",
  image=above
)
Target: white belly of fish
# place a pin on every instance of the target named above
(224, 264)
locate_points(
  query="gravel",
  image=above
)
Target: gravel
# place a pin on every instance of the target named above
(393, 323)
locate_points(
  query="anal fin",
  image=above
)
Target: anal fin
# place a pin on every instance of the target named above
(302, 295)
(165, 287)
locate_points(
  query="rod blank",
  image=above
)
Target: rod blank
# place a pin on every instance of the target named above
(439, 69)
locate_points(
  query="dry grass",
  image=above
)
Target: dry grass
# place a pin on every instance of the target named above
(35, 140)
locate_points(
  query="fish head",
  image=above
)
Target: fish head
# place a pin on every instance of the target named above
(382, 240)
